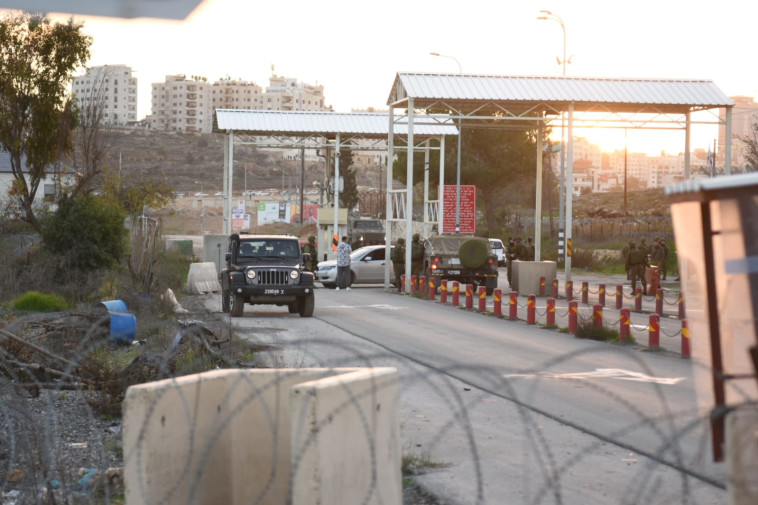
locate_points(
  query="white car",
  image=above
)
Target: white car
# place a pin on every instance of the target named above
(366, 267)
(498, 248)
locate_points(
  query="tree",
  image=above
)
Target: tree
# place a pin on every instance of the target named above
(751, 145)
(87, 232)
(349, 195)
(37, 115)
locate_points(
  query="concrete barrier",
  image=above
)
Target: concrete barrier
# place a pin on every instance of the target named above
(203, 278)
(526, 275)
(299, 436)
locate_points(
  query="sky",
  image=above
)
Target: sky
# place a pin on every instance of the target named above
(354, 49)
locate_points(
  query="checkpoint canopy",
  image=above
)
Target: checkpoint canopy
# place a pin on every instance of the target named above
(534, 102)
(319, 130)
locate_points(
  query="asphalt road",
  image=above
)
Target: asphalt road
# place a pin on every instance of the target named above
(509, 412)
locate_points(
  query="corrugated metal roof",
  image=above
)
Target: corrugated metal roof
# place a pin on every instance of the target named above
(676, 94)
(367, 124)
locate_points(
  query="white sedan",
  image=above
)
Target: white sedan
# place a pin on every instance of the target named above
(366, 267)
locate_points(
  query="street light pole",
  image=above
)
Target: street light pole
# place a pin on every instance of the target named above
(458, 169)
(562, 181)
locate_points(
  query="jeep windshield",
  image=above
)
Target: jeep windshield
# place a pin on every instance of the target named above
(269, 248)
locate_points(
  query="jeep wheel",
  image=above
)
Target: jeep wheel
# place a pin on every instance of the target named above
(305, 305)
(473, 252)
(225, 301)
(237, 305)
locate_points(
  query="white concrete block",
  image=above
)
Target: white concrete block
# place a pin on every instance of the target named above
(203, 278)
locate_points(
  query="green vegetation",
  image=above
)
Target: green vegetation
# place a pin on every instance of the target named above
(587, 329)
(40, 302)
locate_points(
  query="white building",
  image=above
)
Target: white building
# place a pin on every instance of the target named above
(285, 93)
(111, 88)
(744, 115)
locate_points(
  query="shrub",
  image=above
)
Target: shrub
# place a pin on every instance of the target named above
(587, 329)
(40, 302)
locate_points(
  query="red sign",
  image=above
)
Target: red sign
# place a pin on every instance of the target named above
(468, 209)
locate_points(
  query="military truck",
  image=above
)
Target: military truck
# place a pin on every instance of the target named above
(463, 258)
(369, 229)
(266, 270)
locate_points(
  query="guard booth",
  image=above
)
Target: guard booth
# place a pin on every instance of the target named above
(326, 231)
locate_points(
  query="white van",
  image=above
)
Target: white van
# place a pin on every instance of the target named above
(497, 246)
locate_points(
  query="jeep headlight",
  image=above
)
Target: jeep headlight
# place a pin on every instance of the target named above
(250, 274)
(294, 274)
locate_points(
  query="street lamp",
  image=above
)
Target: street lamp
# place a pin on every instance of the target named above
(458, 168)
(561, 183)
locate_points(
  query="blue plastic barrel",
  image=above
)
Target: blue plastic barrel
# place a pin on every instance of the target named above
(123, 327)
(114, 305)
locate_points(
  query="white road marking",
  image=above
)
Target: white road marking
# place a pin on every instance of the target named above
(602, 373)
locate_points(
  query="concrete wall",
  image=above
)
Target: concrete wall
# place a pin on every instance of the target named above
(526, 276)
(264, 436)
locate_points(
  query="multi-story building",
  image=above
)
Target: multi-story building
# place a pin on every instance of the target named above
(111, 88)
(183, 105)
(744, 115)
(187, 105)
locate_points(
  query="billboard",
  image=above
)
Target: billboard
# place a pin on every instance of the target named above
(274, 212)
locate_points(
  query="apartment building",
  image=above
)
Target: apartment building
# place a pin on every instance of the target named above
(185, 104)
(113, 89)
(182, 104)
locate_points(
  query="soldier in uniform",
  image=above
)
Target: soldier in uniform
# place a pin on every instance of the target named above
(310, 248)
(625, 257)
(530, 249)
(398, 262)
(417, 254)
(510, 255)
(637, 265)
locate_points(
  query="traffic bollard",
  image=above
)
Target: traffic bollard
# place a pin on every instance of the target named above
(638, 299)
(597, 315)
(573, 315)
(569, 290)
(585, 292)
(422, 284)
(513, 305)
(456, 294)
(469, 296)
(550, 317)
(432, 289)
(681, 306)
(601, 294)
(443, 291)
(414, 281)
(619, 296)
(686, 353)
(625, 325)
(482, 299)
(497, 302)
(654, 335)
(401, 287)
(542, 286)
(555, 288)
(659, 301)
(531, 309)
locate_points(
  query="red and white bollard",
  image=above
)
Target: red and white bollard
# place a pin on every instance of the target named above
(686, 352)
(513, 305)
(638, 299)
(432, 289)
(469, 296)
(585, 292)
(573, 315)
(414, 283)
(555, 288)
(550, 317)
(443, 291)
(654, 335)
(456, 294)
(659, 301)
(422, 284)
(542, 286)
(601, 294)
(497, 302)
(531, 309)
(401, 287)
(625, 324)
(569, 290)
(482, 299)
(682, 314)
(619, 296)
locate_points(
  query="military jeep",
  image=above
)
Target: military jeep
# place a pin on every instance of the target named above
(463, 258)
(267, 270)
